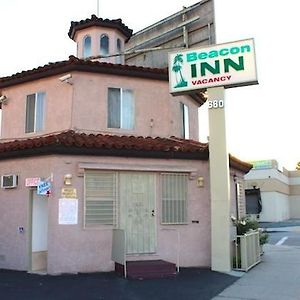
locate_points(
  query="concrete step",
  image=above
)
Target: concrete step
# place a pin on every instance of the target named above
(147, 269)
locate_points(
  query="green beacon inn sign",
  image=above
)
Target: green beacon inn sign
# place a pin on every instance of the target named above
(229, 65)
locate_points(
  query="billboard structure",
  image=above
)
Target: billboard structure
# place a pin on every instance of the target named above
(229, 65)
(215, 68)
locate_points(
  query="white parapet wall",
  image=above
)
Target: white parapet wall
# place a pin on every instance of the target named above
(275, 207)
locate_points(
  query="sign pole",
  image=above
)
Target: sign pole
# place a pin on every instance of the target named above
(215, 67)
(219, 182)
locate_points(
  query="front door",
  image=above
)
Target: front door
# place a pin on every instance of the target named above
(39, 233)
(137, 214)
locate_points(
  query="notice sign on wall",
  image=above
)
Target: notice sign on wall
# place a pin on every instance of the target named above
(44, 187)
(68, 211)
(229, 65)
(68, 193)
(30, 182)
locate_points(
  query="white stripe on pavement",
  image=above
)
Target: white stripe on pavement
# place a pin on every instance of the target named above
(280, 242)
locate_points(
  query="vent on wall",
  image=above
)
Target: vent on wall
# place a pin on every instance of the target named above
(9, 181)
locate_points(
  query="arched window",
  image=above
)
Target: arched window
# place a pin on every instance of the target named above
(104, 44)
(119, 50)
(87, 46)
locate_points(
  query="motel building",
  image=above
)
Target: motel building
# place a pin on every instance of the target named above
(101, 167)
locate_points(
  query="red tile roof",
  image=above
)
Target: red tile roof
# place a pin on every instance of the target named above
(239, 164)
(106, 144)
(95, 21)
(80, 65)
(76, 64)
(74, 143)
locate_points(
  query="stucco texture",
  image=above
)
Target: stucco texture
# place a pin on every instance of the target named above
(73, 248)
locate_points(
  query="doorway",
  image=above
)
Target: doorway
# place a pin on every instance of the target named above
(137, 211)
(39, 233)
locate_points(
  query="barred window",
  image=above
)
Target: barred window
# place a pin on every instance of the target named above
(100, 198)
(174, 198)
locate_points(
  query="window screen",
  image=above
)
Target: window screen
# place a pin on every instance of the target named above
(120, 108)
(100, 198)
(174, 198)
(35, 104)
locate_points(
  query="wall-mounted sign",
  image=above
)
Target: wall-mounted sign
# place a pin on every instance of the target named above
(229, 65)
(32, 181)
(44, 188)
(67, 211)
(68, 193)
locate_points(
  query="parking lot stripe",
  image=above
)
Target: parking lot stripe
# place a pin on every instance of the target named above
(281, 241)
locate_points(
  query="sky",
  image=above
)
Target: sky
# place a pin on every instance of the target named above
(261, 120)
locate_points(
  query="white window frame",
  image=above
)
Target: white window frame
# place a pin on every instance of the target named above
(122, 124)
(171, 215)
(36, 116)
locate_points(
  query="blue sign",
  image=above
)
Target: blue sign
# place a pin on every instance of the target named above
(43, 187)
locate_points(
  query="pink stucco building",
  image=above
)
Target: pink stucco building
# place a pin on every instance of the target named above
(116, 150)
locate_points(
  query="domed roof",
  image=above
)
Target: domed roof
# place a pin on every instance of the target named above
(95, 21)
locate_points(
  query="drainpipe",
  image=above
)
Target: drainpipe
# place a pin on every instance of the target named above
(184, 32)
(236, 196)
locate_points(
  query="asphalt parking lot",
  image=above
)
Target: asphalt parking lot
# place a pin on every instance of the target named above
(189, 284)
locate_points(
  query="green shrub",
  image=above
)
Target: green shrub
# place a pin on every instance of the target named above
(263, 237)
(245, 225)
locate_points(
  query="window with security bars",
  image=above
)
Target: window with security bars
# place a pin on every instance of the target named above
(241, 198)
(100, 198)
(174, 198)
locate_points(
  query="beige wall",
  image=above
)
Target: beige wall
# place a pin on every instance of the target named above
(83, 105)
(164, 34)
(95, 34)
(295, 206)
(275, 207)
(58, 107)
(280, 193)
(71, 248)
(152, 102)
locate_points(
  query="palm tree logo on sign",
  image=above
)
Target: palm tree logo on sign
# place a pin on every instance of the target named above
(177, 66)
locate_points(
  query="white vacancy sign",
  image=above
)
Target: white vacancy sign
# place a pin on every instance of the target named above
(68, 211)
(229, 65)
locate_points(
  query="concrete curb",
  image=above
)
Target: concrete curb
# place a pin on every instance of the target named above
(283, 229)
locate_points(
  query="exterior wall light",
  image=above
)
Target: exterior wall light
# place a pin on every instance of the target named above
(68, 179)
(3, 99)
(200, 181)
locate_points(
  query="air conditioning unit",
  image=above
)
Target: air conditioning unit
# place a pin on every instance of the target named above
(9, 181)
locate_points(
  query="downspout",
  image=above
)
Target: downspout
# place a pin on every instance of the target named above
(236, 196)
